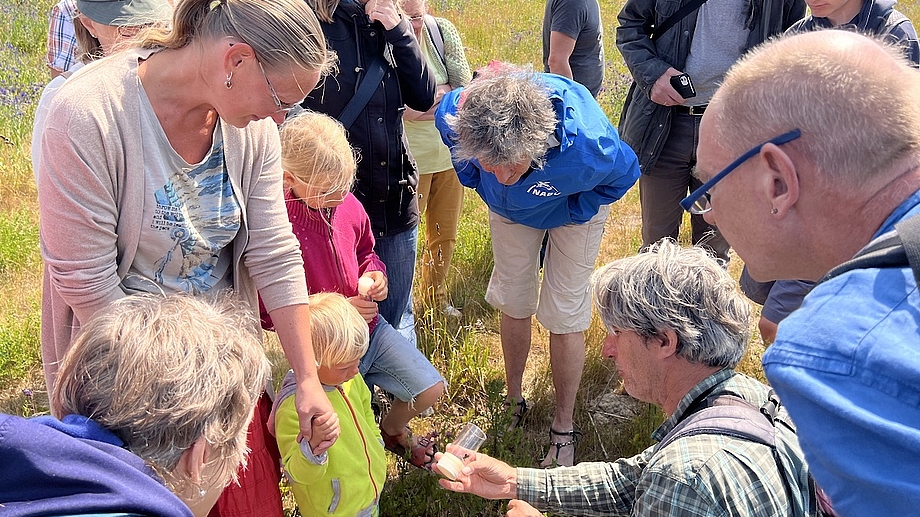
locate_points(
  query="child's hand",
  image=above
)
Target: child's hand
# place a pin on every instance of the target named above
(379, 290)
(325, 431)
(367, 308)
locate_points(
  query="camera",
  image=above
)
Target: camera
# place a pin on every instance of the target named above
(683, 85)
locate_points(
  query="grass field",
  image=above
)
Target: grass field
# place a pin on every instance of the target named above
(466, 352)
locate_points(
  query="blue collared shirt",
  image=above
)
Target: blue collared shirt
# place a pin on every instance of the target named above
(847, 366)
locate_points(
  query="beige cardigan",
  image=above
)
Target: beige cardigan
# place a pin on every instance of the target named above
(92, 179)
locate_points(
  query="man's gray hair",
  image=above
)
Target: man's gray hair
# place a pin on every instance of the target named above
(681, 289)
(855, 98)
(506, 118)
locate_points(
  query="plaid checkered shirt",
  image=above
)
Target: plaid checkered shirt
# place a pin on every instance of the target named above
(62, 43)
(701, 475)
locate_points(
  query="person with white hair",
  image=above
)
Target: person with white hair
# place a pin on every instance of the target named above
(676, 328)
(543, 156)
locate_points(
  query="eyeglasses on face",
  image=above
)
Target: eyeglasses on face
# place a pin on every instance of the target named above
(698, 201)
(282, 106)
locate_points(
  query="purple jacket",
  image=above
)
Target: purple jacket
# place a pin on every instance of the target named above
(337, 247)
(75, 467)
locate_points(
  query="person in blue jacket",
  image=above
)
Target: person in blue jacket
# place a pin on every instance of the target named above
(810, 152)
(543, 156)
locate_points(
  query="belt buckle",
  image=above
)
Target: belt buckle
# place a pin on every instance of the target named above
(696, 111)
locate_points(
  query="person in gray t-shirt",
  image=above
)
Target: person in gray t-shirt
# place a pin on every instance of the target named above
(573, 42)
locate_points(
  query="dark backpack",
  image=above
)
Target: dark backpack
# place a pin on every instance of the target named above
(732, 416)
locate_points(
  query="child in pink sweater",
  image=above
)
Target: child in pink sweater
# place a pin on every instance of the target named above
(338, 250)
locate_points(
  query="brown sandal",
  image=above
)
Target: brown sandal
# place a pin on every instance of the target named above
(422, 451)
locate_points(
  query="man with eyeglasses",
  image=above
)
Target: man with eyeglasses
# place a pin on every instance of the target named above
(779, 298)
(831, 125)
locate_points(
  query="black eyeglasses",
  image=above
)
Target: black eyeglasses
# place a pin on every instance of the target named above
(698, 201)
(282, 106)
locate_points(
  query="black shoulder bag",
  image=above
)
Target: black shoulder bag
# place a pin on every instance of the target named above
(656, 32)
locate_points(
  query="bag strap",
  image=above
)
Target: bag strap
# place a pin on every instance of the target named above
(724, 415)
(909, 232)
(895, 18)
(436, 37)
(897, 249)
(364, 92)
(728, 415)
(672, 20)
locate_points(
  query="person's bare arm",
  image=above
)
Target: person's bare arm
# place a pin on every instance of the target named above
(292, 323)
(482, 475)
(411, 114)
(560, 50)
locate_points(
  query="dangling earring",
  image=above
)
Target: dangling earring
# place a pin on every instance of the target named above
(227, 83)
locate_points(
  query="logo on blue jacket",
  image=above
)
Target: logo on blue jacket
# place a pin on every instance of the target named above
(543, 189)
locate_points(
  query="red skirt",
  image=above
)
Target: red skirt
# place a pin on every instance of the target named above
(257, 494)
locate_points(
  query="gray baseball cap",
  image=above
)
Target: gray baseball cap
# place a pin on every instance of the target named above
(126, 12)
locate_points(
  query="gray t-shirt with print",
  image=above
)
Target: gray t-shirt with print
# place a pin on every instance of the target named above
(191, 215)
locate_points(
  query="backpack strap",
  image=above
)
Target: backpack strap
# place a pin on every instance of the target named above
(434, 31)
(725, 415)
(895, 18)
(728, 415)
(909, 232)
(898, 248)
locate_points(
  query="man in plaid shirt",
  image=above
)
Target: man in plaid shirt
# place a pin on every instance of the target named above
(677, 328)
(62, 43)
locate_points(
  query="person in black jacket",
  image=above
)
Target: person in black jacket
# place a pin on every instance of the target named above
(661, 125)
(867, 16)
(362, 33)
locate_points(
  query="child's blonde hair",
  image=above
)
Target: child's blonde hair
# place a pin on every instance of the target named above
(339, 332)
(315, 150)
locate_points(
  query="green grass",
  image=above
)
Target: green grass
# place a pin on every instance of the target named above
(467, 352)
(22, 77)
(20, 325)
(18, 242)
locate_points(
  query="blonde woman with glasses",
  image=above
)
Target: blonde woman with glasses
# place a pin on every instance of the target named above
(160, 172)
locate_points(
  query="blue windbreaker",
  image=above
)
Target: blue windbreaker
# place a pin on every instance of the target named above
(590, 167)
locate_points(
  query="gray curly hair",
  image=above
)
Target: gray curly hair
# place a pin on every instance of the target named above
(681, 289)
(506, 118)
(160, 372)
